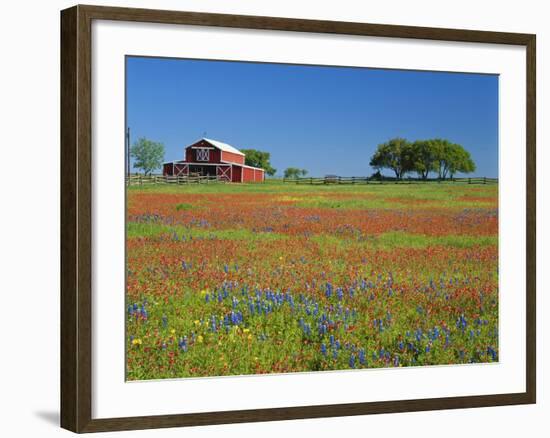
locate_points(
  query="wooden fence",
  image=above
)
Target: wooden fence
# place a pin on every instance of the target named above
(161, 179)
(368, 180)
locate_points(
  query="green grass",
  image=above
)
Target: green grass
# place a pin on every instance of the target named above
(383, 196)
(391, 240)
(184, 206)
(135, 229)
(382, 241)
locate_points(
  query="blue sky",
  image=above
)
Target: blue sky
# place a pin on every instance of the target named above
(327, 120)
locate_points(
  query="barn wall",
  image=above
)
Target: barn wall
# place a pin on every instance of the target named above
(248, 174)
(167, 169)
(259, 175)
(236, 177)
(231, 157)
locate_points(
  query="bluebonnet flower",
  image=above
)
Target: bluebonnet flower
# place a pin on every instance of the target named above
(352, 361)
(164, 321)
(362, 358)
(328, 291)
(182, 344)
(323, 349)
(213, 324)
(492, 352)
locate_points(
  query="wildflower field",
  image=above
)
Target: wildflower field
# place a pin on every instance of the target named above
(228, 279)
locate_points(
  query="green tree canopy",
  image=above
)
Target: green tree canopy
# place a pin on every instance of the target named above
(260, 159)
(462, 162)
(148, 155)
(422, 157)
(396, 155)
(451, 158)
(294, 172)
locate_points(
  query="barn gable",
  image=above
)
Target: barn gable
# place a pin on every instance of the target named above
(213, 151)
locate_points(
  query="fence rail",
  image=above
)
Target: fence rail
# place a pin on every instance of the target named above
(369, 180)
(162, 179)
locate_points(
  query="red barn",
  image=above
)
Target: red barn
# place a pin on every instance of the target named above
(213, 158)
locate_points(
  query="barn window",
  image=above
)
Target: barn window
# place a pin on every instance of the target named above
(203, 154)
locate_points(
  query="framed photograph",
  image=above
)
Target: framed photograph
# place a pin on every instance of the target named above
(270, 218)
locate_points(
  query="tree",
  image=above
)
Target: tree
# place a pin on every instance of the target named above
(451, 158)
(462, 162)
(422, 157)
(294, 172)
(396, 154)
(148, 155)
(260, 159)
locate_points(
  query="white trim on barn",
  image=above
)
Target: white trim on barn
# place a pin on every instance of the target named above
(242, 165)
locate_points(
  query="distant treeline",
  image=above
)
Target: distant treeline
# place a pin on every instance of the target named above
(422, 157)
(378, 178)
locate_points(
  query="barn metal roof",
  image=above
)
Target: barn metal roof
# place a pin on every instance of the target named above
(223, 146)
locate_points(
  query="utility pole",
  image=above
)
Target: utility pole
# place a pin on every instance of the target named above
(128, 153)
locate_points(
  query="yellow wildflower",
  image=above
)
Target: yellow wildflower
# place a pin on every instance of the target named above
(199, 339)
(136, 341)
(197, 322)
(246, 330)
(173, 331)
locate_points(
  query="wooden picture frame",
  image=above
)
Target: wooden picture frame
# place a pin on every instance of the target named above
(76, 217)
